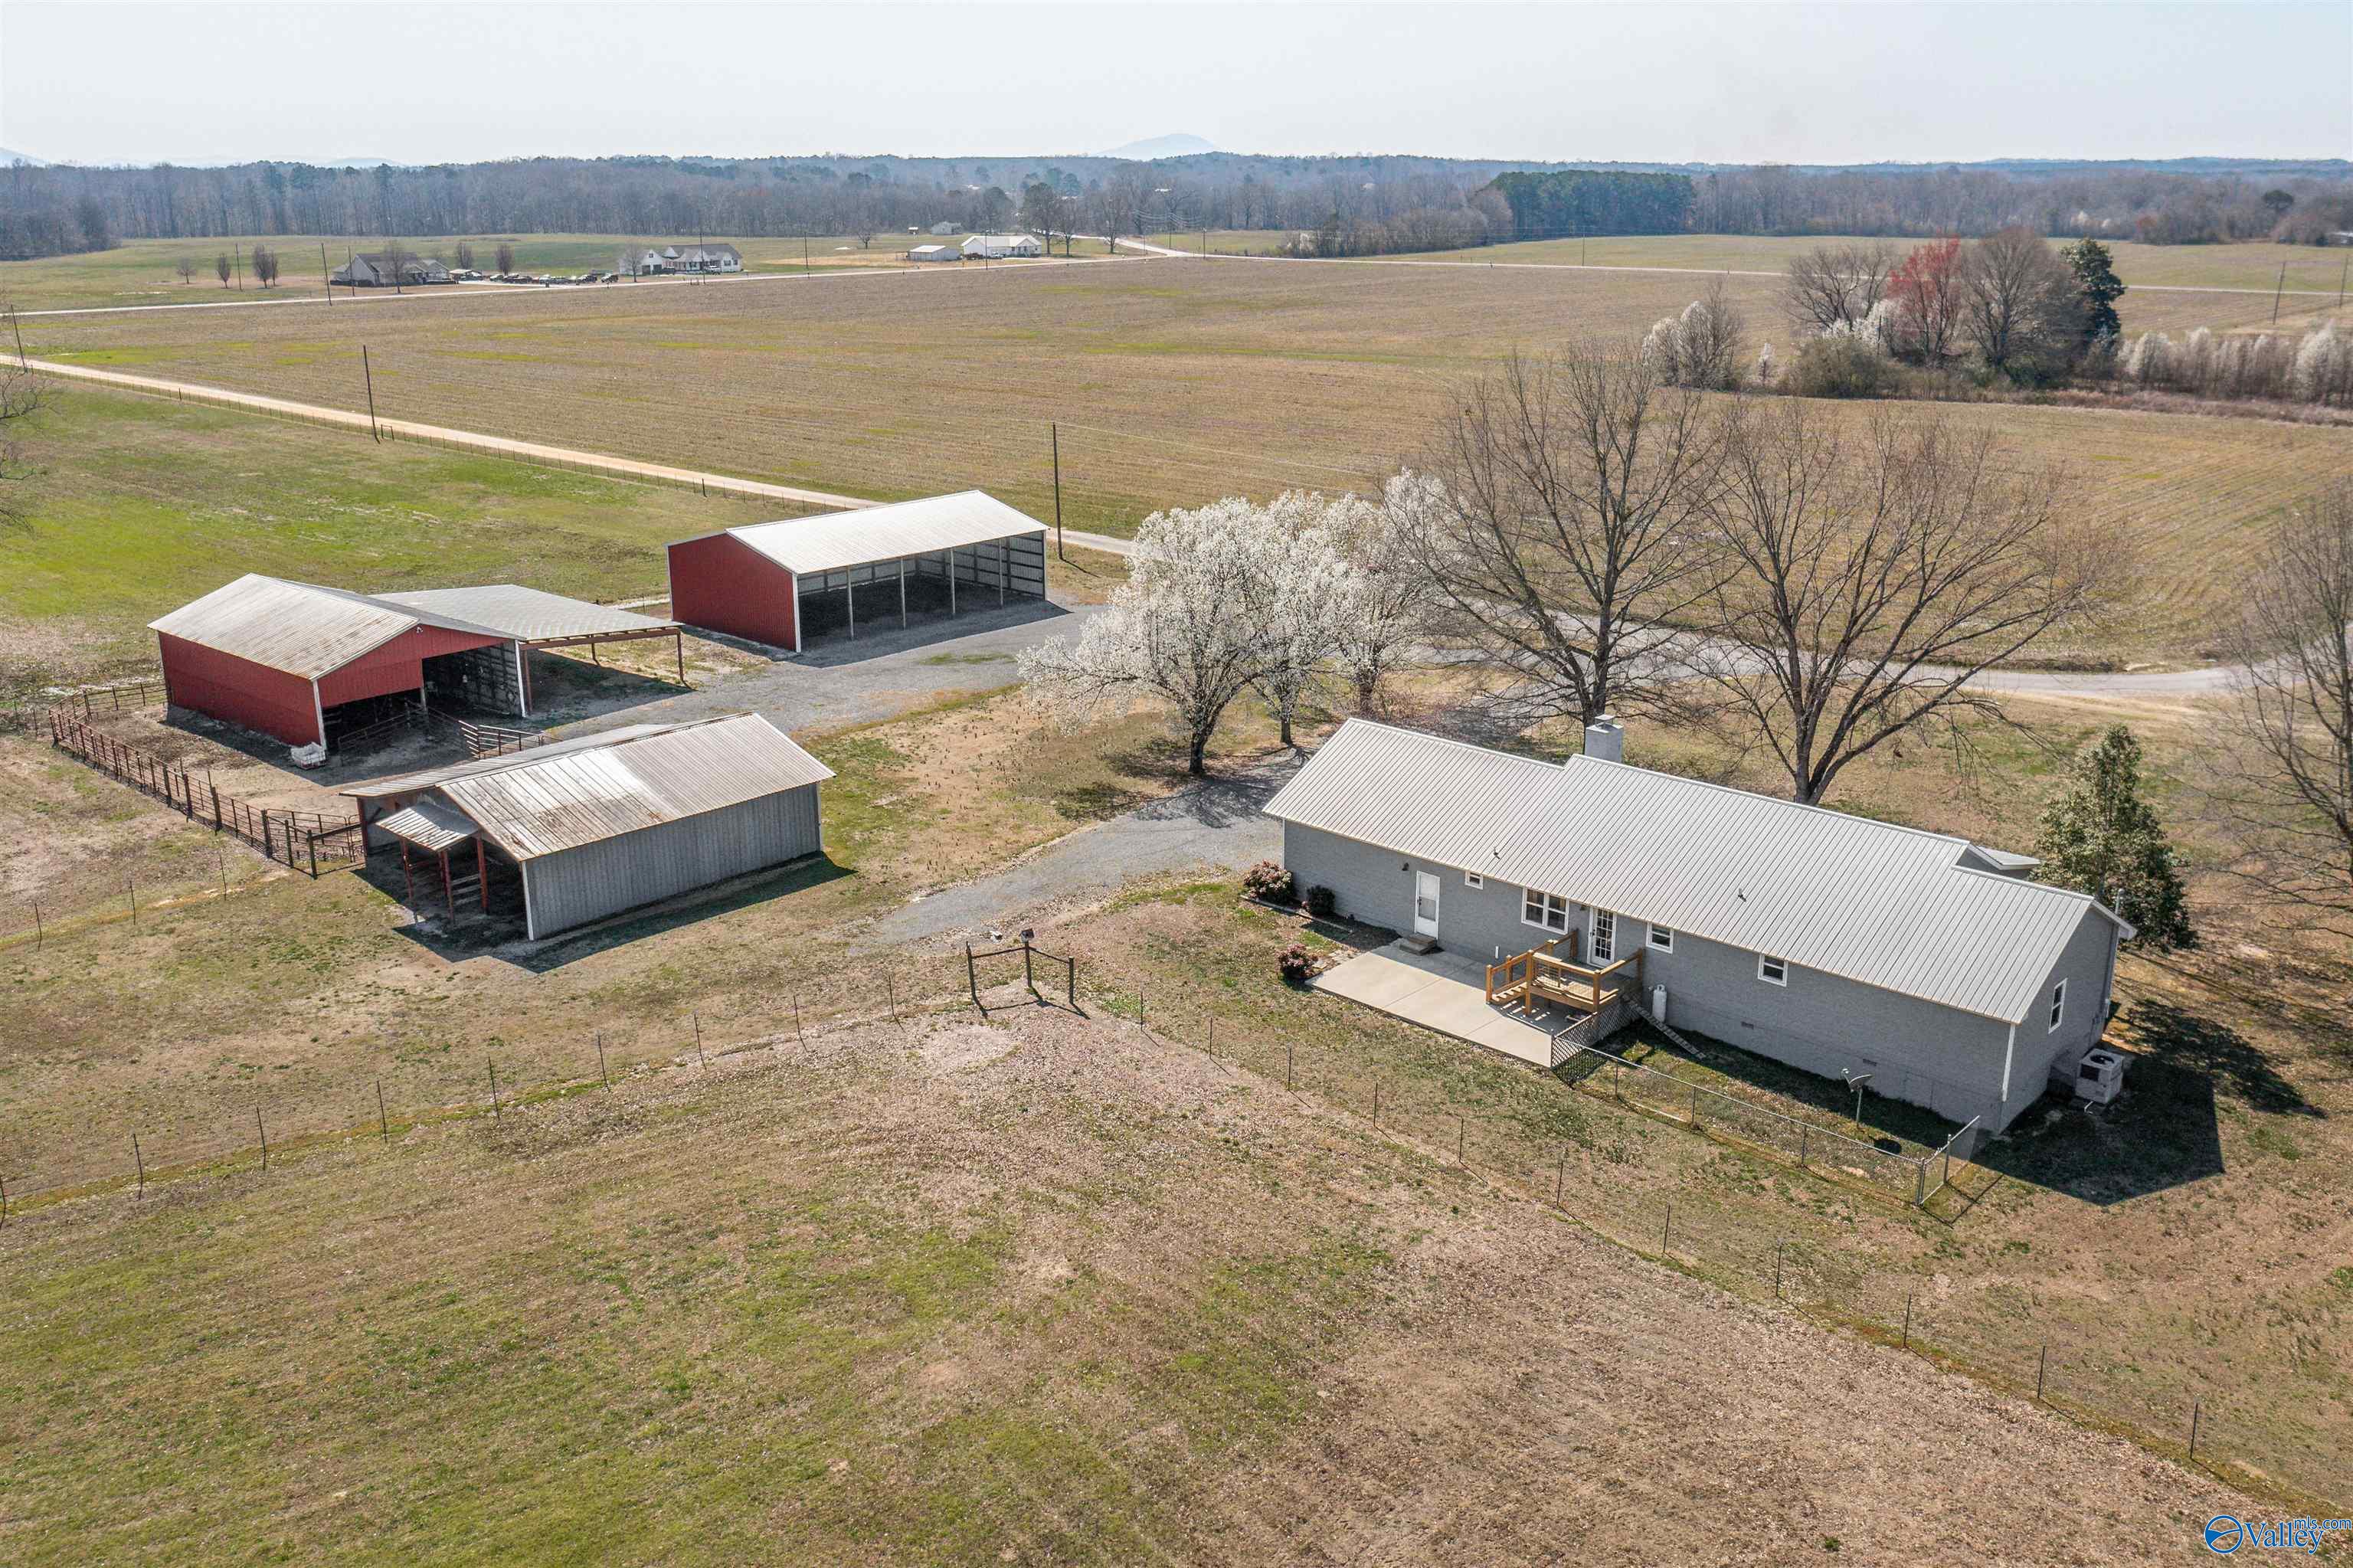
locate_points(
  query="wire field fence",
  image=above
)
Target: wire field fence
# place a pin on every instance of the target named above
(1611, 1166)
(1734, 1116)
(311, 841)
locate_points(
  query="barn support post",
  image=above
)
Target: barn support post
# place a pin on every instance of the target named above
(1004, 568)
(678, 647)
(951, 580)
(849, 601)
(448, 896)
(902, 593)
(483, 874)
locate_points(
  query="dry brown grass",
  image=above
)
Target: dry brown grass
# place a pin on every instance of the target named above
(1052, 1291)
(1173, 383)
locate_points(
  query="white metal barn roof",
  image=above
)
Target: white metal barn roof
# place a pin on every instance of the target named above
(807, 546)
(297, 628)
(1889, 906)
(543, 801)
(426, 779)
(526, 614)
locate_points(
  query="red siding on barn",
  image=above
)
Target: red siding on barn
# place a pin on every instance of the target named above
(224, 687)
(397, 666)
(724, 585)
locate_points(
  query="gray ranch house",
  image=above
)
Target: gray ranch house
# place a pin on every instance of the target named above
(1824, 940)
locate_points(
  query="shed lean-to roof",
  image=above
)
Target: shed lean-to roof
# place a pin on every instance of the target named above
(300, 628)
(527, 614)
(428, 824)
(426, 777)
(1889, 906)
(832, 540)
(549, 801)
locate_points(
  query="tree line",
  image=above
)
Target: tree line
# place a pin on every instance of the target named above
(1359, 203)
(1593, 538)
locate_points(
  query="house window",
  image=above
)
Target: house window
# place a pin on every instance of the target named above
(1472, 879)
(1605, 935)
(2058, 1003)
(1550, 910)
(1772, 971)
(1662, 938)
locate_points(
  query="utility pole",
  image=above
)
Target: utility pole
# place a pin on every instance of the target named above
(326, 273)
(2340, 283)
(238, 251)
(18, 327)
(2278, 292)
(369, 376)
(1056, 432)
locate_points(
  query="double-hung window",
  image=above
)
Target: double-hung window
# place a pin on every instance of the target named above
(1472, 879)
(2058, 1004)
(1664, 938)
(1605, 935)
(1548, 910)
(1772, 971)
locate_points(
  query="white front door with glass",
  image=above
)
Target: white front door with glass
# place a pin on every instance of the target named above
(1425, 903)
(1604, 946)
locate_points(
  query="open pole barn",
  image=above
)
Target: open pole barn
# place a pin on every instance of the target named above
(792, 583)
(597, 824)
(307, 664)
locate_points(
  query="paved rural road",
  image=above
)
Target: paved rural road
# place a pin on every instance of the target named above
(488, 290)
(1164, 251)
(2057, 684)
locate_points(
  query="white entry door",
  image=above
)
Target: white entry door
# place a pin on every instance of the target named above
(1425, 903)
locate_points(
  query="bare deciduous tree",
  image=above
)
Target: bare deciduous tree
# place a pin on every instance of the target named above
(1377, 612)
(1560, 549)
(265, 266)
(2288, 780)
(2021, 307)
(186, 268)
(1877, 576)
(221, 268)
(1836, 285)
(505, 256)
(396, 257)
(21, 397)
(465, 255)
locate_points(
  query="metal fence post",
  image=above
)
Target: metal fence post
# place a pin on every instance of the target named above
(383, 1121)
(2197, 1408)
(139, 1157)
(264, 1131)
(494, 1088)
(602, 1071)
(1907, 1318)
(2042, 1369)
(1779, 1249)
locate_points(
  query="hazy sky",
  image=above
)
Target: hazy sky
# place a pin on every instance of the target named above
(97, 82)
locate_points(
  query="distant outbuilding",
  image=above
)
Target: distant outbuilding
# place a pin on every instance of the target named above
(774, 582)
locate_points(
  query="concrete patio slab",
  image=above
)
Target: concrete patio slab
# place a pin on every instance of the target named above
(1442, 991)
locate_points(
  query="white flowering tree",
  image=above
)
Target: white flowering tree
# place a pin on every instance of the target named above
(1307, 597)
(1377, 612)
(1202, 619)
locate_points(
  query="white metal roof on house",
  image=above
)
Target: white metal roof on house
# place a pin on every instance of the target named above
(526, 614)
(1418, 794)
(300, 628)
(551, 800)
(428, 824)
(1889, 906)
(832, 540)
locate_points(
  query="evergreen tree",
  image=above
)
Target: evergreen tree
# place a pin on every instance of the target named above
(2101, 838)
(2095, 276)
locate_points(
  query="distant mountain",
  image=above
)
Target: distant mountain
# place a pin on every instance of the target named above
(1178, 144)
(10, 155)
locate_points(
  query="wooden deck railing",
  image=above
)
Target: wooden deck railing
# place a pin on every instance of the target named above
(1539, 976)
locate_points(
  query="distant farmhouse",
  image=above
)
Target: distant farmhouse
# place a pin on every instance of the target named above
(690, 259)
(943, 228)
(373, 269)
(996, 247)
(934, 253)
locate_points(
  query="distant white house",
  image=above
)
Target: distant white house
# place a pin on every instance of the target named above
(690, 259)
(934, 253)
(943, 228)
(994, 247)
(373, 269)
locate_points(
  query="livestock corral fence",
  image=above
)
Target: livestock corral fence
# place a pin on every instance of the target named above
(310, 842)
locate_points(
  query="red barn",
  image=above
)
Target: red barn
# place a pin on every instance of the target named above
(789, 582)
(291, 660)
